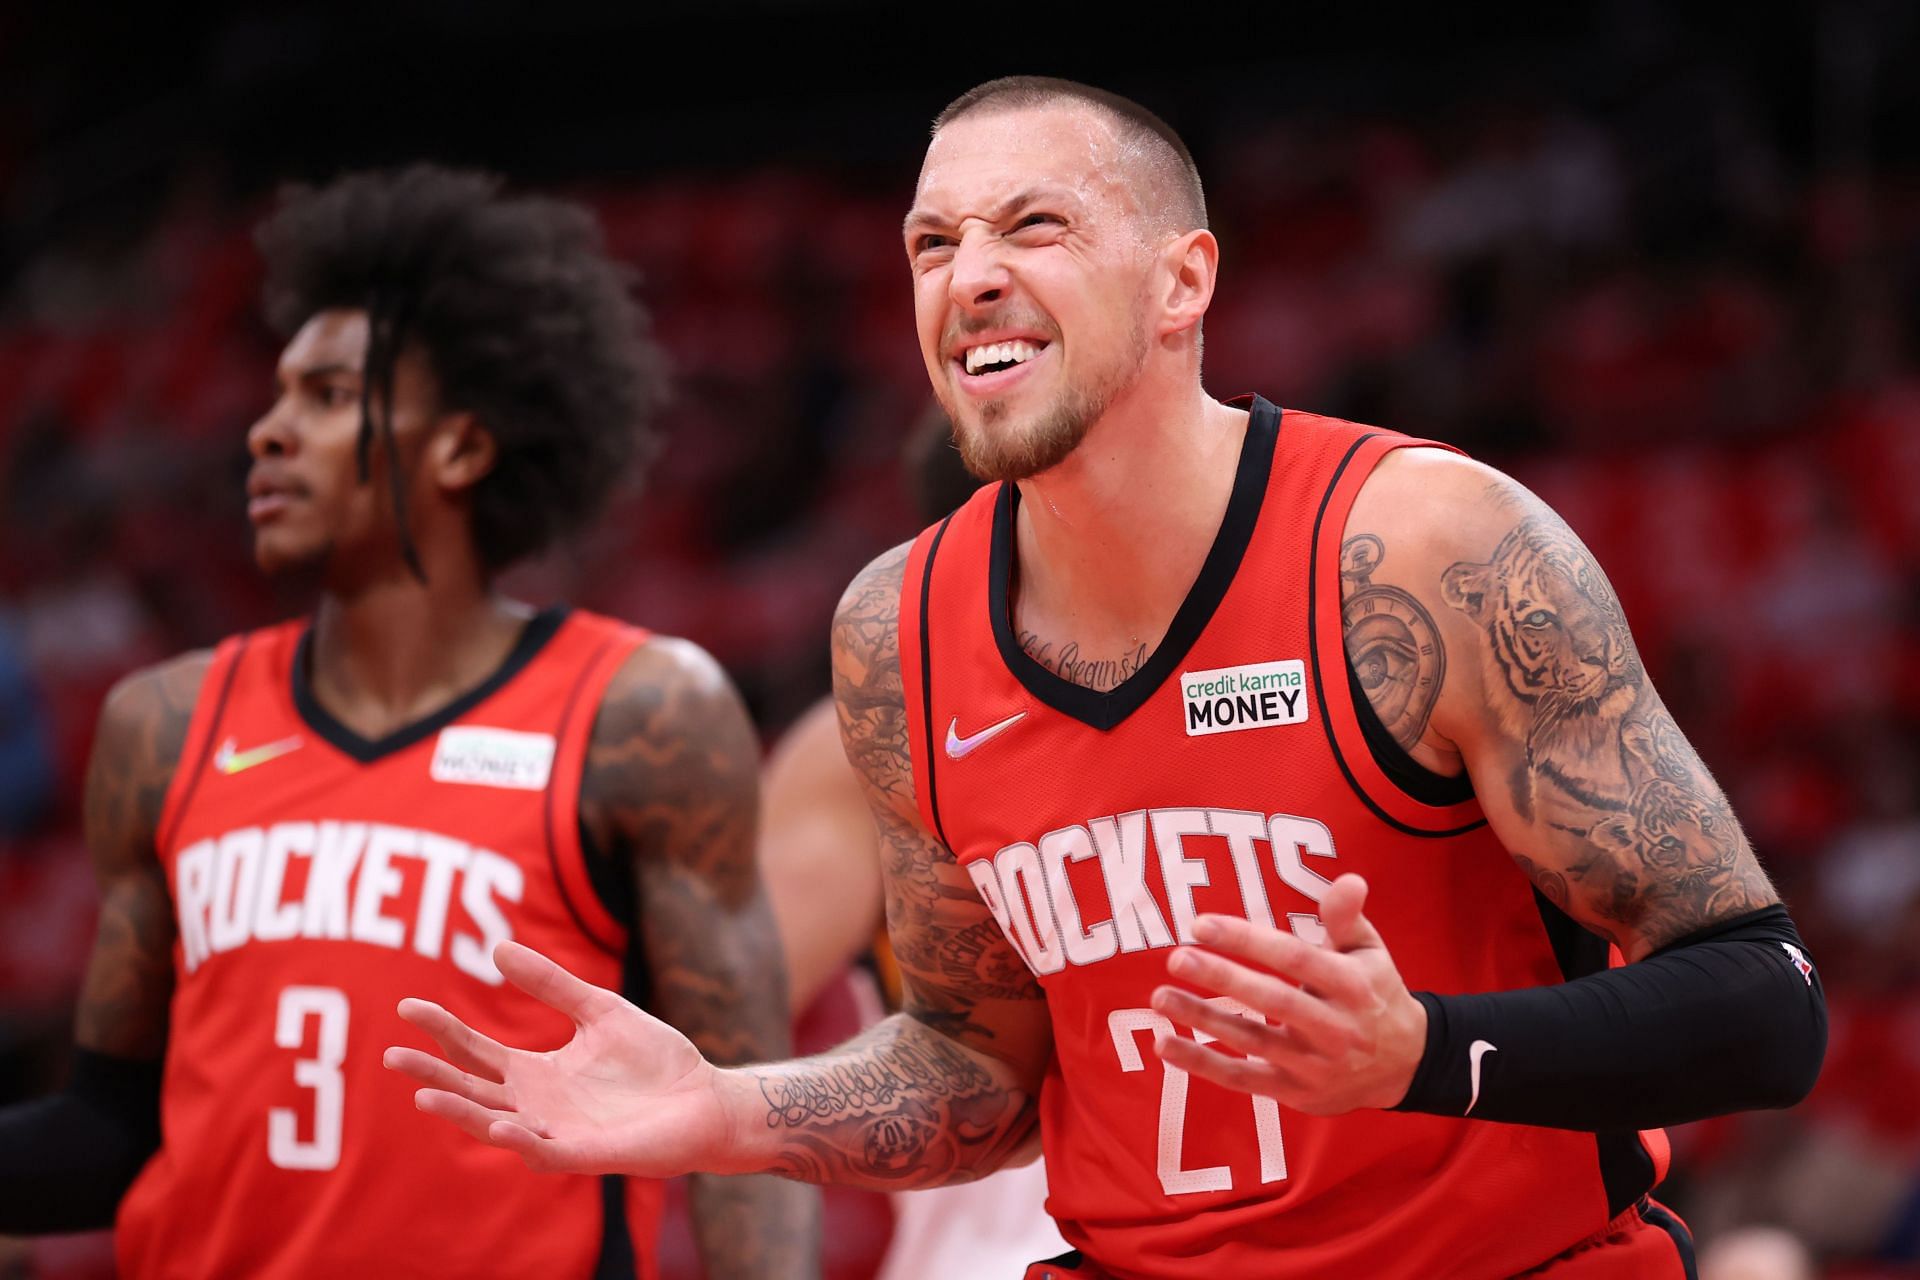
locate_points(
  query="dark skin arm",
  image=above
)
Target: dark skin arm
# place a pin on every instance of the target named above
(671, 785)
(129, 980)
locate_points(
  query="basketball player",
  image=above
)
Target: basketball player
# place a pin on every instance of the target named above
(1205, 747)
(301, 825)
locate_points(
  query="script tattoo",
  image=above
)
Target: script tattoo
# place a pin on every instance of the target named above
(1392, 643)
(900, 1107)
(924, 1066)
(1657, 851)
(670, 785)
(129, 982)
(1100, 674)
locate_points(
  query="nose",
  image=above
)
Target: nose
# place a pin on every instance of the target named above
(272, 436)
(979, 278)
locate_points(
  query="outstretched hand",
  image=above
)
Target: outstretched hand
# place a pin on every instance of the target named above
(1335, 1031)
(627, 1094)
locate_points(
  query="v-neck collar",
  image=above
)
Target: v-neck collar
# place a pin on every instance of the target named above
(1105, 709)
(534, 636)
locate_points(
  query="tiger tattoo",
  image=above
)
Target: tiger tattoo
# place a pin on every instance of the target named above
(1688, 839)
(1562, 671)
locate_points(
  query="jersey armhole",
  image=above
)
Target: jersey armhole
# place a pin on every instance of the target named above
(1402, 793)
(197, 748)
(566, 852)
(916, 672)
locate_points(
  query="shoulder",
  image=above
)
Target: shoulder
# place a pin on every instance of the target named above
(667, 699)
(136, 751)
(1440, 504)
(867, 688)
(673, 675)
(869, 609)
(154, 705)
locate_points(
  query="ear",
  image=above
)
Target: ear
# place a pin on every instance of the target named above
(1191, 263)
(460, 453)
(1637, 738)
(1615, 834)
(1465, 587)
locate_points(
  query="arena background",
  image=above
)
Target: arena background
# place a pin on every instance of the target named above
(1665, 269)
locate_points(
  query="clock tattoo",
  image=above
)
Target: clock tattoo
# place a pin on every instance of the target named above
(1392, 643)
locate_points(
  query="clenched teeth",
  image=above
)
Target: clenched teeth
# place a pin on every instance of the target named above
(1000, 353)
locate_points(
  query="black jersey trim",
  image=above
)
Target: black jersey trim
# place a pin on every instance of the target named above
(1320, 687)
(1104, 710)
(162, 840)
(1406, 773)
(616, 1260)
(533, 637)
(926, 677)
(1665, 1219)
(549, 818)
(611, 877)
(1626, 1166)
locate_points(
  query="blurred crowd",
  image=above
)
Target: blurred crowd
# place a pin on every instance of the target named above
(1703, 354)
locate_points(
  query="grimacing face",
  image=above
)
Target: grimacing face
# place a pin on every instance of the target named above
(1031, 266)
(305, 498)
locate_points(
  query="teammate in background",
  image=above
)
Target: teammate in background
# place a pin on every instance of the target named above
(820, 857)
(296, 828)
(1131, 719)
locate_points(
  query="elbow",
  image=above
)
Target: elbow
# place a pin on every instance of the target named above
(1784, 1075)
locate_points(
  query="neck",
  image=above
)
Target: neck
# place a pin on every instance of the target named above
(388, 649)
(1112, 539)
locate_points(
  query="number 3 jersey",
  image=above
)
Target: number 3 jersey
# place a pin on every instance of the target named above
(1237, 772)
(317, 879)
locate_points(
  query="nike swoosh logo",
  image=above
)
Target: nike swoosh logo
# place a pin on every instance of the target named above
(1476, 1051)
(958, 746)
(228, 760)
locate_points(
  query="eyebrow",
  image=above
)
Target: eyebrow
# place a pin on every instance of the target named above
(923, 218)
(310, 372)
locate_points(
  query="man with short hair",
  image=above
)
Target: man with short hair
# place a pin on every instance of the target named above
(297, 827)
(1204, 746)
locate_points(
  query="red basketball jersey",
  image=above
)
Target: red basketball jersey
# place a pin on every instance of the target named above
(1233, 773)
(317, 879)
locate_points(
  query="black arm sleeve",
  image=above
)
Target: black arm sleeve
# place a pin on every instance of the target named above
(65, 1161)
(1731, 1018)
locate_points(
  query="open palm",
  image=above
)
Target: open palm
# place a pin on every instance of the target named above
(627, 1094)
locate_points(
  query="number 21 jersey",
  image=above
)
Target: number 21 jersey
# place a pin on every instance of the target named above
(1234, 773)
(317, 878)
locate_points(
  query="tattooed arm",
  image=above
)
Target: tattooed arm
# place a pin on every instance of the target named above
(1514, 661)
(66, 1160)
(1486, 638)
(945, 1090)
(942, 1092)
(670, 783)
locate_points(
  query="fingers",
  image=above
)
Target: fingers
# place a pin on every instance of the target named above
(464, 1047)
(1248, 1075)
(1229, 1026)
(1275, 998)
(545, 1154)
(1340, 912)
(552, 985)
(1321, 968)
(468, 1116)
(435, 1074)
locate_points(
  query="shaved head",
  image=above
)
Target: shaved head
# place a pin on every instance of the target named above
(1166, 184)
